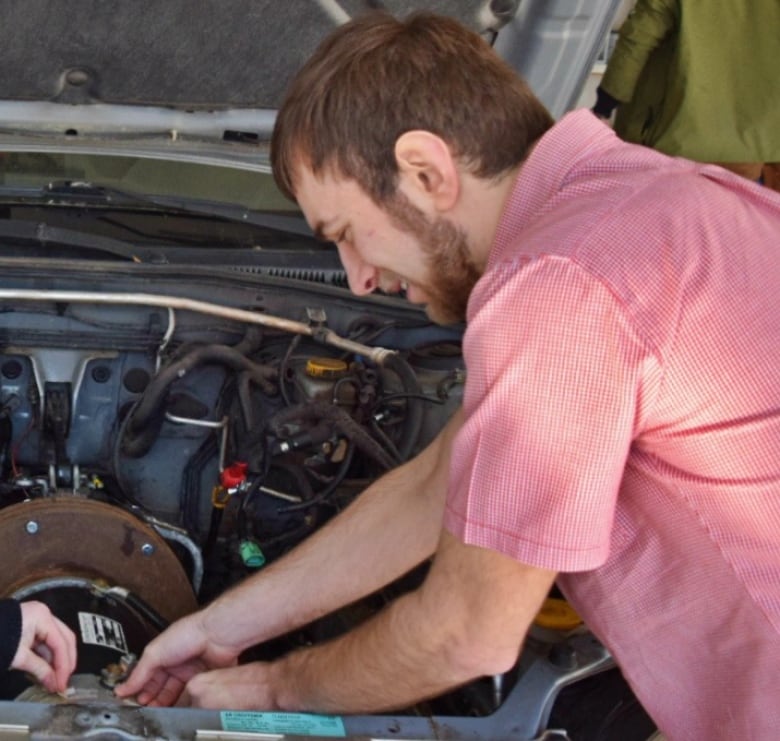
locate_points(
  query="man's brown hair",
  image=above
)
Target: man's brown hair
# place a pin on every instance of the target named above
(377, 77)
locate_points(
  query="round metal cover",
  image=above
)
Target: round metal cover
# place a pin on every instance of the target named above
(71, 536)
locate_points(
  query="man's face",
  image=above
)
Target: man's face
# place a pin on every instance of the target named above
(391, 248)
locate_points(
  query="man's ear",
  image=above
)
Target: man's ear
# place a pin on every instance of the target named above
(427, 168)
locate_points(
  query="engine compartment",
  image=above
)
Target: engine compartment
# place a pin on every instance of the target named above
(152, 455)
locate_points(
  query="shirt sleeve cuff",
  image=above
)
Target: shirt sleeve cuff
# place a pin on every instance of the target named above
(11, 631)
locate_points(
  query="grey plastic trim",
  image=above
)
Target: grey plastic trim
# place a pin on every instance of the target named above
(102, 118)
(554, 44)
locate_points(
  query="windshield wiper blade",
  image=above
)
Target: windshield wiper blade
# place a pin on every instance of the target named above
(82, 190)
(15, 234)
(74, 192)
(87, 193)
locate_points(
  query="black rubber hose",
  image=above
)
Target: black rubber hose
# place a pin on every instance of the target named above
(414, 405)
(330, 487)
(315, 412)
(148, 415)
(154, 617)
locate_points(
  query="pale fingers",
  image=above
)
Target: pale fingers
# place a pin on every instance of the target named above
(61, 644)
(47, 647)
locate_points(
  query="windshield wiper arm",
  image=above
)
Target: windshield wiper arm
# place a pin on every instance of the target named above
(15, 234)
(88, 193)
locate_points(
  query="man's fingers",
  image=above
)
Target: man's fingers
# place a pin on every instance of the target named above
(151, 687)
(161, 694)
(144, 682)
(170, 692)
(185, 700)
(138, 679)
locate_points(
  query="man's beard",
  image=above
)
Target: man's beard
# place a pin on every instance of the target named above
(451, 270)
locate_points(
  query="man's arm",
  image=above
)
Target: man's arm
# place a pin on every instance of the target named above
(468, 619)
(390, 528)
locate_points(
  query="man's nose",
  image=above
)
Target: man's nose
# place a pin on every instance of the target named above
(361, 276)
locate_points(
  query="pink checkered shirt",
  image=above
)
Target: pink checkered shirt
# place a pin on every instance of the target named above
(623, 417)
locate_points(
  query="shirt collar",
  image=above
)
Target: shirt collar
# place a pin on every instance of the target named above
(577, 136)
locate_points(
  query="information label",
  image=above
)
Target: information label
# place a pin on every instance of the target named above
(102, 631)
(299, 724)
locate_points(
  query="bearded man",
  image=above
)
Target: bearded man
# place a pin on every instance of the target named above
(620, 430)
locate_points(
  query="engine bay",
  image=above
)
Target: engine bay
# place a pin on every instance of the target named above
(156, 449)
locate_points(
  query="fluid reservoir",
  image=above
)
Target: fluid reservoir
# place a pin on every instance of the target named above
(319, 377)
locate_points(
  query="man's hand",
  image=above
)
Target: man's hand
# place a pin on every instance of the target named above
(245, 687)
(391, 527)
(47, 648)
(172, 659)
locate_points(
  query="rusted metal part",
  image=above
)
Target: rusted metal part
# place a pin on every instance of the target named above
(71, 536)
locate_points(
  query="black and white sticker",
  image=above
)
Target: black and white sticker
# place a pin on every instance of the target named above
(102, 631)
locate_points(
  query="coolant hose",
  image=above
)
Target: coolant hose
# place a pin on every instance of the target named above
(147, 415)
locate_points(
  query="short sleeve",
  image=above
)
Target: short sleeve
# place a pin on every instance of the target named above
(554, 377)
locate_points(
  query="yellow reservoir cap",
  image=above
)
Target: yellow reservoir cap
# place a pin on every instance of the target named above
(325, 367)
(557, 614)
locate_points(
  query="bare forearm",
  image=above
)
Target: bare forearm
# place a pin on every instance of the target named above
(363, 549)
(389, 662)
(467, 620)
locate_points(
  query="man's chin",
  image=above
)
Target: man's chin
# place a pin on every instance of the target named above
(442, 315)
(438, 311)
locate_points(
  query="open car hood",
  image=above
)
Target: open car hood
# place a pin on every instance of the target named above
(100, 67)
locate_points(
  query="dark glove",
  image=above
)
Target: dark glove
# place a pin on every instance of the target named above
(605, 103)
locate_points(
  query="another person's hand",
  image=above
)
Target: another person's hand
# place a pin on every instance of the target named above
(605, 105)
(172, 659)
(47, 647)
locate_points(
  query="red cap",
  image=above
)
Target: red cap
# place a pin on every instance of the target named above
(233, 475)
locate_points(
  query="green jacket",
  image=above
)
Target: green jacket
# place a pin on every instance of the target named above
(699, 79)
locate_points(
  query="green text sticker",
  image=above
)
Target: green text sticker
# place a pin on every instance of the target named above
(299, 724)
